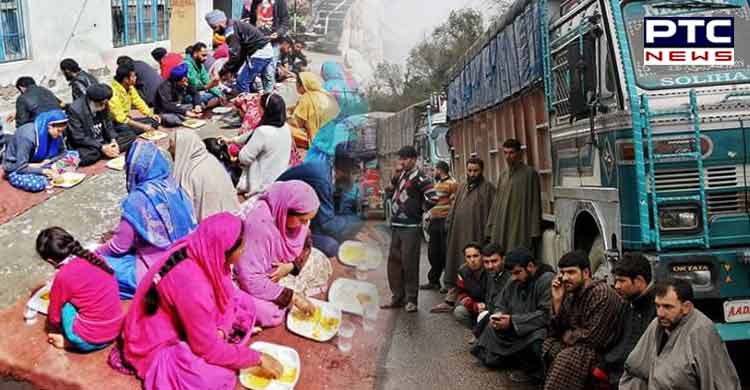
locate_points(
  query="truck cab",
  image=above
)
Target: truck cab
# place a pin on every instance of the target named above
(652, 158)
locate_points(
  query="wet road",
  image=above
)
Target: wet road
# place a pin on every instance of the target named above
(431, 351)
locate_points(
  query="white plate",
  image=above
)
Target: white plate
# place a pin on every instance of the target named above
(39, 302)
(354, 253)
(314, 330)
(347, 293)
(153, 135)
(222, 110)
(288, 357)
(117, 164)
(70, 179)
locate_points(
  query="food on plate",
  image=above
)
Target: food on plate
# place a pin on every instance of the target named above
(302, 316)
(45, 296)
(329, 323)
(364, 298)
(260, 379)
(352, 253)
(59, 180)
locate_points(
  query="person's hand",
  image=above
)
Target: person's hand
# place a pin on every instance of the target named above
(567, 338)
(504, 322)
(10, 118)
(157, 118)
(481, 307)
(213, 82)
(56, 339)
(192, 114)
(223, 100)
(282, 270)
(198, 109)
(224, 139)
(116, 148)
(50, 173)
(558, 291)
(273, 36)
(270, 367)
(303, 304)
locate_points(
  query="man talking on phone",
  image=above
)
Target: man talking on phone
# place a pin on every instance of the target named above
(583, 324)
(515, 331)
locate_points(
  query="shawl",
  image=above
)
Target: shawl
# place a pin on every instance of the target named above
(202, 177)
(316, 106)
(156, 207)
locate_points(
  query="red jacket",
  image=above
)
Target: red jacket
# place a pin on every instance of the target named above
(169, 62)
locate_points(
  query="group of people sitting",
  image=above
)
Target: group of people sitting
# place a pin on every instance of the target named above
(566, 330)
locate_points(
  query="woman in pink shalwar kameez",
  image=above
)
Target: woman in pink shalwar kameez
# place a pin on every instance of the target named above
(188, 326)
(275, 232)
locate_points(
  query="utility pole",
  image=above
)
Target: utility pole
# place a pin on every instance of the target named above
(294, 25)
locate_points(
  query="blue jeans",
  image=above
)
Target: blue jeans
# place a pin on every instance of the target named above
(269, 79)
(69, 314)
(257, 67)
(205, 98)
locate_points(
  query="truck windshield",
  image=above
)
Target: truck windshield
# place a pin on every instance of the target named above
(687, 76)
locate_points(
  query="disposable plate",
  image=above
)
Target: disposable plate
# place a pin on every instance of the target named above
(193, 123)
(288, 357)
(117, 164)
(351, 295)
(153, 135)
(40, 300)
(69, 179)
(354, 253)
(322, 326)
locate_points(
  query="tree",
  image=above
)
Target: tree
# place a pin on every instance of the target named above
(428, 65)
(499, 7)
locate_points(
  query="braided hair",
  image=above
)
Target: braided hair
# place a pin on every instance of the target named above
(55, 244)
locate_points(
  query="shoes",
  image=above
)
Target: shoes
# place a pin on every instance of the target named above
(443, 307)
(429, 286)
(392, 305)
(519, 377)
(410, 307)
(444, 290)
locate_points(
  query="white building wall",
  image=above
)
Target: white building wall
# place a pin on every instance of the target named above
(49, 24)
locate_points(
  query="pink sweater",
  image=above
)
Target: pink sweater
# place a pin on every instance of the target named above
(95, 295)
(124, 241)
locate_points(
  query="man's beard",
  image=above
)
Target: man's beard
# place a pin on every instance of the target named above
(198, 60)
(221, 30)
(474, 179)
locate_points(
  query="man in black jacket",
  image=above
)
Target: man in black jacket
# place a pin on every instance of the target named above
(271, 17)
(90, 130)
(242, 38)
(33, 101)
(79, 80)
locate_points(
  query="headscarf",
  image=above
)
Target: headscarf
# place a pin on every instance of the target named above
(196, 169)
(342, 86)
(316, 106)
(156, 207)
(267, 220)
(215, 17)
(46, 146)
(274, 110)
(178, 72)
(144, 335)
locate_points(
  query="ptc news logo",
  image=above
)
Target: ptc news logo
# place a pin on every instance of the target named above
(689, 41)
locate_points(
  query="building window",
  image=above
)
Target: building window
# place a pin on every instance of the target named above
(139, 21)
(12, 36)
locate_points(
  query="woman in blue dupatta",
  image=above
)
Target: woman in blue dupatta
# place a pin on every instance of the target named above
(155, 214)
(352, 101)
(33, 149)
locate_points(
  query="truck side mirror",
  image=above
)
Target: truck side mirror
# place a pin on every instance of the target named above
(582, 65)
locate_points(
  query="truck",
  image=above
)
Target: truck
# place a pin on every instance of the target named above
(631, 157)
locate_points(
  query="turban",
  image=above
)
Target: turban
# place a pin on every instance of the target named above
(215, 17)
(99, 92)
(178, 72)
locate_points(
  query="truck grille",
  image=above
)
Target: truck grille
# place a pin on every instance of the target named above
(721, 177)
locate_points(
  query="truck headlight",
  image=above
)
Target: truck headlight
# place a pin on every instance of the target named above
(699, 279)
(678, 219)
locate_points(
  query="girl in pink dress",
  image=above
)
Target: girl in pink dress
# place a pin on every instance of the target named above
(189, 327)
(275, 232)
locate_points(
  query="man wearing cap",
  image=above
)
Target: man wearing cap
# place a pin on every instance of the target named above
(413, 193)
(172, 98)
(90, 130)
(242, 38)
